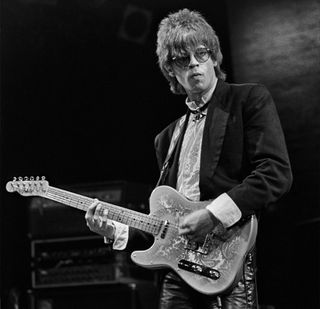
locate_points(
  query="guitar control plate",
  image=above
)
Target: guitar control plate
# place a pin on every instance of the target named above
(199, 269)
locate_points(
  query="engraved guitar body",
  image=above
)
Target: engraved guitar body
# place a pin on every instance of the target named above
(224, 256)
(211, 267)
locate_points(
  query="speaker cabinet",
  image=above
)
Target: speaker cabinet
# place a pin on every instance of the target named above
(134, 295)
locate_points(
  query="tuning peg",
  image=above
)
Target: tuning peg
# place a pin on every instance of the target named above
(43, 177)
(26, 178)
(14, 178)
(37, 178)
(31, 178)
(20, 178)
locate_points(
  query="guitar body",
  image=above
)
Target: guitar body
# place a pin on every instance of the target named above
(222, 258)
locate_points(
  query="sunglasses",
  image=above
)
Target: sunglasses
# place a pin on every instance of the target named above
(202, 54)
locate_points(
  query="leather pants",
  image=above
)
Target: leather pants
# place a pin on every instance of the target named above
(176, 294)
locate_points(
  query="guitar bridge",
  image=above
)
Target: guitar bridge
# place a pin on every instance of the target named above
(199, 269)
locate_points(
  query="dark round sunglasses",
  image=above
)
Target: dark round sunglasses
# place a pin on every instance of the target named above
(202, 54)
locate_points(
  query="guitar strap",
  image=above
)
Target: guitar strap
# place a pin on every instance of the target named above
(178, 133)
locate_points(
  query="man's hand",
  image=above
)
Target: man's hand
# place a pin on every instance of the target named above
(198, 224)
(97, 220)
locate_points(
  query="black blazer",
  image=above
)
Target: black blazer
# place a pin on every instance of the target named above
(243, 150)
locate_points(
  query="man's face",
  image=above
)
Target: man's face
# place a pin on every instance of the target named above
(197, 75)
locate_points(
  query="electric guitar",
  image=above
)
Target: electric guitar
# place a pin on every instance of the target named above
(210, 267)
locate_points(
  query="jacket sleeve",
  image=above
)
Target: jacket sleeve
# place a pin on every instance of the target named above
(270, 173)
(159, 155)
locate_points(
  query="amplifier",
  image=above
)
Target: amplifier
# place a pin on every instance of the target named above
(77, 261)
(131, 295)
(50, 219)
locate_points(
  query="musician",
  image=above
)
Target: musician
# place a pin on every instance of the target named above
(229, 148)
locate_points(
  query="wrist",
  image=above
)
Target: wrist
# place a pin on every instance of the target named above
(110, 235)
(215, 221)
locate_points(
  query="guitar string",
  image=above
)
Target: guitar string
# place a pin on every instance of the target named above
(149, 224)
(74, 198)
(152, 224)
(83, 202)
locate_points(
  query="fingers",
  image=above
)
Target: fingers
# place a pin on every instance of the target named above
(185, 228)
(97, 220)
(192, 227)
(100, 212)
(96, 216)
(91, 210)
(184, 231)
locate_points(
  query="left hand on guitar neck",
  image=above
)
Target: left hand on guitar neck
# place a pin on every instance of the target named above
(198, 224)
(97, 220)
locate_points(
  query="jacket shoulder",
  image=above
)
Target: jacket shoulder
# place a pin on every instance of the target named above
(247, 88)
(166, 132)
(249, 95)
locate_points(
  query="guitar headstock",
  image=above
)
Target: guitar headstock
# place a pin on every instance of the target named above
(28, 186)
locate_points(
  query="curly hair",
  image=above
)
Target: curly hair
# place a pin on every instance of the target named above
(182, 31)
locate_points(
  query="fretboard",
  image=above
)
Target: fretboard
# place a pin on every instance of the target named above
(130, 217)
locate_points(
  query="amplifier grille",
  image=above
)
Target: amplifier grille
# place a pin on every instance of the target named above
(77, 261)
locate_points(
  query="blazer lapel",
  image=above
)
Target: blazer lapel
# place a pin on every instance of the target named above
(214, 132)
(173, 165)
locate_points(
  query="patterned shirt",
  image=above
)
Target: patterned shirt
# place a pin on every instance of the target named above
(189, 160)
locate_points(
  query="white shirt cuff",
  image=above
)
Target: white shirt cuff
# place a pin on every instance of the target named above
(225, 209)
(121, 235)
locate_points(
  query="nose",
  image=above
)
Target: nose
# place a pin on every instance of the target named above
(193, 61)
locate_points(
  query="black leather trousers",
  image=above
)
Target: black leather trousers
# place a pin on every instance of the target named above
(176, 294)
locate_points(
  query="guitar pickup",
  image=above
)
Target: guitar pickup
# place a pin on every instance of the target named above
(165, 229)
(199, 269)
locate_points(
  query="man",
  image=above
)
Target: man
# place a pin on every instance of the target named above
(228, 148)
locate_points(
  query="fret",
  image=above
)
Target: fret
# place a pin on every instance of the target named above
(125, 220)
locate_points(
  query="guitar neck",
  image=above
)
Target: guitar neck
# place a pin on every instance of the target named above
(130, 217)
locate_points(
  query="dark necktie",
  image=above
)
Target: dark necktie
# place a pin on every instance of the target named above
(199, 112)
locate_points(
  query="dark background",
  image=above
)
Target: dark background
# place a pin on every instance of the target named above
(82, 99)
